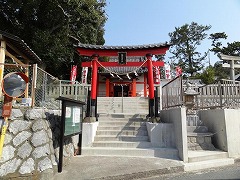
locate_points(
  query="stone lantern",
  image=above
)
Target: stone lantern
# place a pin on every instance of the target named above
(189, 96)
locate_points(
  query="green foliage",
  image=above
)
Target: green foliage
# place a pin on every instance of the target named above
(232, 49)
(216, 43)
(208, 75)
(185, 40)
(221, 72)
(51, 27)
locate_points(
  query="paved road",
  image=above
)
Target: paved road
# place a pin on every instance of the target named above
(227, 172)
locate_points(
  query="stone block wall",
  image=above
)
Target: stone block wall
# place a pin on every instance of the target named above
(31, 146)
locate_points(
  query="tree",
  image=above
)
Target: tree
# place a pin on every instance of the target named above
(207, 76)
(51, 27)
(232, 49)
(185, 40)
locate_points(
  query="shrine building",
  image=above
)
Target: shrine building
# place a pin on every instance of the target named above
(123, 71)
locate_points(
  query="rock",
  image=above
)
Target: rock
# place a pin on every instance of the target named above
(27, 166)
(21, 137)
(18, 126)
(41, 151)
(7, 153)
(39, 138)
(25, 150)
(39, 125)
(9, 167)
(16, 113)
(45, 164)
(8, 138)
(34, 114)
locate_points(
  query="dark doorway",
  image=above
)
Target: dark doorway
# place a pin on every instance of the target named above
(118, 90)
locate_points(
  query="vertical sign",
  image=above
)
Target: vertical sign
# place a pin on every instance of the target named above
(73, 74)
(122, 57)
(167, 71)
(84, 75)
(156, 75)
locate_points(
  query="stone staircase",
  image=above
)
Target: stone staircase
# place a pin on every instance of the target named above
(125, 135)
(199, 138)
(201, 152)
(133, 105)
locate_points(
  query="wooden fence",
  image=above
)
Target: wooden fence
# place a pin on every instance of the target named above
(224, 94)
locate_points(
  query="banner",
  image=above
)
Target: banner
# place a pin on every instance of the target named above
(84, 75)
(73, 74)
(167, 71)
(156, 75)
(178, 71)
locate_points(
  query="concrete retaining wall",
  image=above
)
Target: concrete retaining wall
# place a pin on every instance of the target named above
(161, 134)
(225, 123)
(31, 146)
(177, 117)
(88, 133)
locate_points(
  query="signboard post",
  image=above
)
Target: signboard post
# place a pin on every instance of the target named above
(71, 123)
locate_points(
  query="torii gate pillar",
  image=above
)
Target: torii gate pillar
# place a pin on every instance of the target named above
(93, 108)
(150, 84)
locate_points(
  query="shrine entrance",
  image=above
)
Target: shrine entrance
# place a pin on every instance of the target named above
(121, 90)
(123, 71)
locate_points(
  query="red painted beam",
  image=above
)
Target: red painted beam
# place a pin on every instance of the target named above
(130, 52)
(128, 64)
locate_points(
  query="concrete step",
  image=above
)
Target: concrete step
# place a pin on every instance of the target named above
(122, 144)
(194, 166)
(123, 115)
(120, 128)
(197, 129)
(197, 156)
(121, 123)
(193, 134)
(169, 153)
(103, 119)
(122, 132)
(120, 138)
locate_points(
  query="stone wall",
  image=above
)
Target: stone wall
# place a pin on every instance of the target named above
(31, 145)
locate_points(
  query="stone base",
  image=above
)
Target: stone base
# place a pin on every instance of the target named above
(89, 119)
(200, 143)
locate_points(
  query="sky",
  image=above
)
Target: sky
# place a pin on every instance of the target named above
(138, 22)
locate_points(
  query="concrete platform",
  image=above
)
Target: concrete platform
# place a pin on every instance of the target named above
(114, 167)
(207, 159)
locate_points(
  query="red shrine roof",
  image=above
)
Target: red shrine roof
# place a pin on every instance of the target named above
(138, 50)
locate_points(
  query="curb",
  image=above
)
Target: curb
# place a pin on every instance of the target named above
(144, 174)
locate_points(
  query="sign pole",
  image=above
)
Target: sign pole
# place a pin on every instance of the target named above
(3, 132)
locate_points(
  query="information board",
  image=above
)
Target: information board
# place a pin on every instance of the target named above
(73, 119)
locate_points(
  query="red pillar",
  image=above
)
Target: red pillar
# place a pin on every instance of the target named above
(94, 77)
(134, 88)
(93, 110)
(150, 76)
(150, 84)
(107, 87)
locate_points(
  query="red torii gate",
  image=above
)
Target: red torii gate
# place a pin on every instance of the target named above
(95, 51)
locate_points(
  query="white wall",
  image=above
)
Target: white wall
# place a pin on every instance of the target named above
(226, 124)
(161, 135)
(88, 133)
(177, 116)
